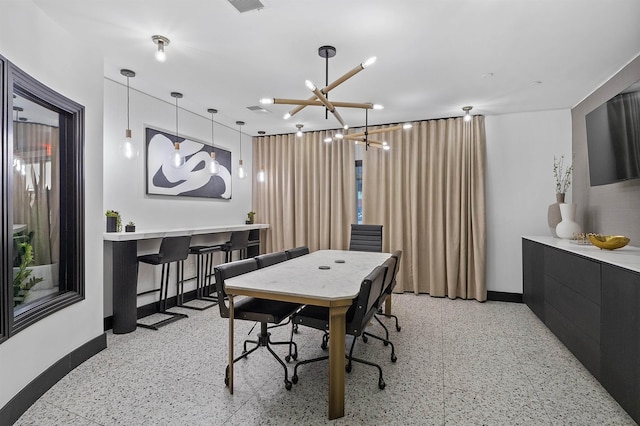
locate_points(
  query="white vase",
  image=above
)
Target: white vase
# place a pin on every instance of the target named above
(567, 226)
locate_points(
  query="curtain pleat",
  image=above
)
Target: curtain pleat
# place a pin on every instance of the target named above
(428, 192)
(308, 196)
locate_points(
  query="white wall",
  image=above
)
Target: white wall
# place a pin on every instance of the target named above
(125, 180)
(520, 186)
(33, 42)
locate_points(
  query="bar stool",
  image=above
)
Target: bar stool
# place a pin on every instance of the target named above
(238, 242)
(172, 249)
(204, 274)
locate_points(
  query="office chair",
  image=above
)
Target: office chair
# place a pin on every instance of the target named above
(390, 284)
(297, 252)
(366, 238)
(254, 309)
(357, 318)
(269, 259)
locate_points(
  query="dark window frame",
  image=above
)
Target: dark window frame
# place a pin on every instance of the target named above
(71, 275)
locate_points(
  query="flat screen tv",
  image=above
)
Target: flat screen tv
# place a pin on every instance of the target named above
(613, 138)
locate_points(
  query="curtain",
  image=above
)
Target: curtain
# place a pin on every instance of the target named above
(428, 192)
(308, 196)
(36, 198)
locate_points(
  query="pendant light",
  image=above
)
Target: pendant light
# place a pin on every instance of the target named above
(467, 113)
(161, 41)
(127, 148)
(261, 176)
(241, 172)
(214, 166)
(176, 159)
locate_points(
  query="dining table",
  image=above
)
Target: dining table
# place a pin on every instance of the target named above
(328, 278)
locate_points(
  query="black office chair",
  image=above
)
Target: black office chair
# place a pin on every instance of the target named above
(239, 241)
(358, 316)
(366, 238)
(254, 309)
(297, 252)
(390, 284)
(172, 249)
(265, 260)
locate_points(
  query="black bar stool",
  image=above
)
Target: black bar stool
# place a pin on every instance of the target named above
(204, 275)
(172, 249)
(239, 242)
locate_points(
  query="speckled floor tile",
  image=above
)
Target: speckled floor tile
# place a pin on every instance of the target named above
(458, 362)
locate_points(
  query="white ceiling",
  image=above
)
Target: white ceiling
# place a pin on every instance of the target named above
(433, 55)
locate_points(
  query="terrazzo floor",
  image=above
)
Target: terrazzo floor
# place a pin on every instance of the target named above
(459, 363)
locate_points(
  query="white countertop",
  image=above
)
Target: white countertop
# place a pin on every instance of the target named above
(627, 257)
(145, 234)
(302, 277)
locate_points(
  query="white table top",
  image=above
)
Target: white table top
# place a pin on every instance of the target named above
(146, 234)
(627, 257)
(302, 277)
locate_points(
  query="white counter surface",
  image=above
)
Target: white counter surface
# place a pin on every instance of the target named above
(627, 257)
(145, 234)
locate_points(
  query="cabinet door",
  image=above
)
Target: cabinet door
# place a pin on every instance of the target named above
(532, 274)
(620, 338)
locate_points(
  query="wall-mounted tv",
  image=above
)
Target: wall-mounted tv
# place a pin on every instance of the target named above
(613, 138)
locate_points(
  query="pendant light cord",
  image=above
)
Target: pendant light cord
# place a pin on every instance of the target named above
(128, 126)
(240, 141)
(177, 119)
(212, 139)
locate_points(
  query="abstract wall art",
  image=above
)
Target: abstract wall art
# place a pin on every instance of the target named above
(191, 179)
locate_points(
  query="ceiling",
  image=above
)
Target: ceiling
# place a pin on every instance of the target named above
(433, 57)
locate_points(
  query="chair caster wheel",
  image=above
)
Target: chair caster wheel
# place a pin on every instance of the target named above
(323, 346)
(364, 338)
(386, 343)
(393, 358)
(226, 381)
(287, 385)
(294, 379)
(398, 328)
(295, 329)
(294, 357)
(381, 384)
(347, 368)
(287, 358)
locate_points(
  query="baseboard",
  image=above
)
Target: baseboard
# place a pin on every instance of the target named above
(501, 296)
(41, 384)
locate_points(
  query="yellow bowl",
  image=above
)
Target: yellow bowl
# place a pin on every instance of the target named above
(608, 242)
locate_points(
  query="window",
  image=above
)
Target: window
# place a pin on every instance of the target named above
(358, 191)
(42, 201)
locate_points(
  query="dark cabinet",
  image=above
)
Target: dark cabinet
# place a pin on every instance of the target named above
(532, 271)
(620, 340)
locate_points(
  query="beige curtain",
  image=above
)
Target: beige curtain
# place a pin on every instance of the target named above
(34, 204)
(308, 196)
(428, 192)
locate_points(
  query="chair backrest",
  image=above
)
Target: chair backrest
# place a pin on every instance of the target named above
(366, 238)
(173, 249)
(265, 260)
(398, 255)
(297, 252)
(239, 240)
(390, 264)
(230, 270)
(366, 304)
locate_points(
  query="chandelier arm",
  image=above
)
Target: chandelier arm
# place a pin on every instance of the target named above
(316, 102)
(329, 106)
(372, 132)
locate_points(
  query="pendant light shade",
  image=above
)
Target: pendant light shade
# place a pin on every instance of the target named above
(214, 165)
(241, 172)
(127, 147)
(176, 159)
(467, 113)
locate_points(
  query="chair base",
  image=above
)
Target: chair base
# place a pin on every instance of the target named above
(173, 317)
(264, 340)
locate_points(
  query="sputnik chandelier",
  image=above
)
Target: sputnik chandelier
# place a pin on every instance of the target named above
(320, 96)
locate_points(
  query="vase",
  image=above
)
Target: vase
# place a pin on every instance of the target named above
(567, 226)
(553, 213)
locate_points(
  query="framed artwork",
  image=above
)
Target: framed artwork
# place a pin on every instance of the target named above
(192, 179)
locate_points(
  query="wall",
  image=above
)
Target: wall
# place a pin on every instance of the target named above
(124, 180)
(613, 208)
(520, 186)
(33, 42)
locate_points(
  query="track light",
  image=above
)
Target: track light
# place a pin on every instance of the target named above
(161, 41)
(467, 114)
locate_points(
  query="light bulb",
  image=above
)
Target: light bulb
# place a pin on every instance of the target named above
(214, 166)
(339, 135)
(310, 85)
(467, 116)
(160, 55)
(177, 160)
(368, 62)
(266, 101)
(127, 148)
(287, 116)
(23, 169)
(299, 133)
(386, 147)
(378, 106)
(261, 176)
(241, 173)
(407, 126)
(17, 161)
(328, 139)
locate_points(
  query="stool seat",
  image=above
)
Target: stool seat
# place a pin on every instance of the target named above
(239, 241)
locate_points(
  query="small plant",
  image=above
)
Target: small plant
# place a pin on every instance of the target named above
(22, 279)
(131, 223)
(130, 227)
(562, 174)
(113, 213)
(251, 217)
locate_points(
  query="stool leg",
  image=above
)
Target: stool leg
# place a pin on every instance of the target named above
(160, 304)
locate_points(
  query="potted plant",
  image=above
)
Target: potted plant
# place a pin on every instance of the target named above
(250, 218)
(114, 223)
(130, 227)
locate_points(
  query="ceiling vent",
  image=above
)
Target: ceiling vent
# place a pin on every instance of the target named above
(256, 108)
(246, 5)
